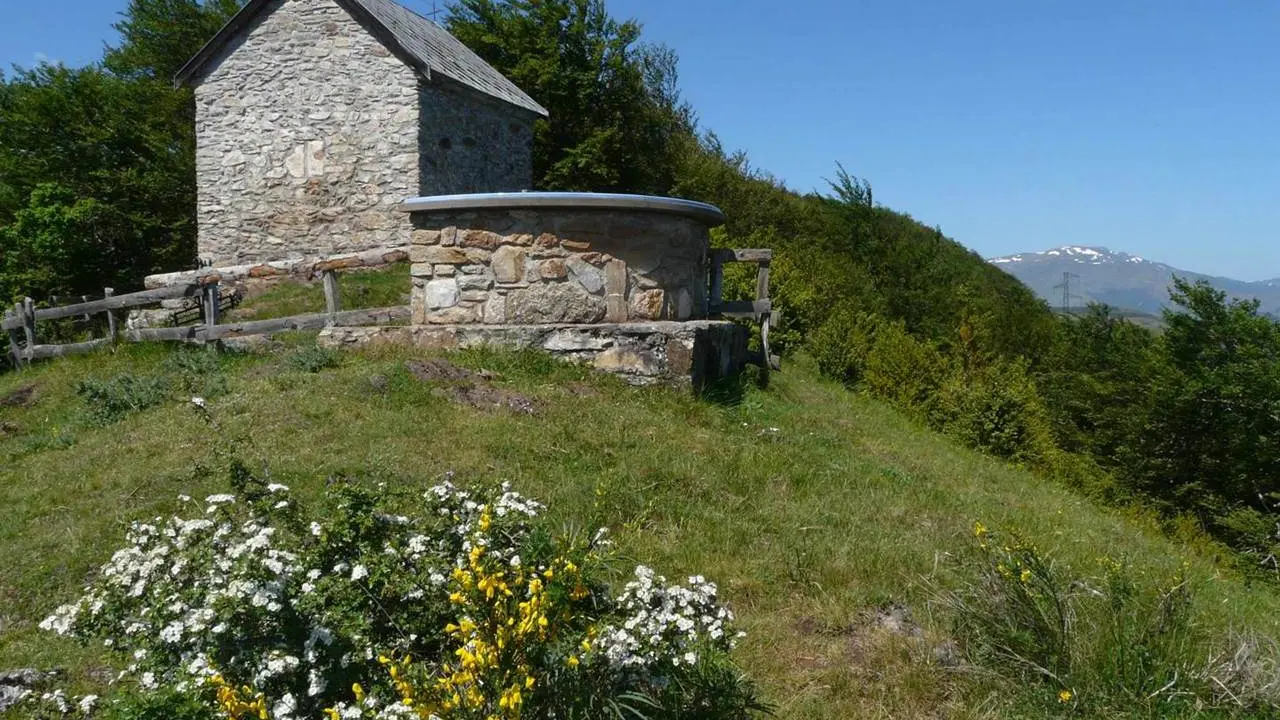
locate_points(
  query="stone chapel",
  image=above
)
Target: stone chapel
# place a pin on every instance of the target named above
(314, 118)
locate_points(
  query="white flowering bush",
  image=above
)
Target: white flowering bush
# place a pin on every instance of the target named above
(456, 604)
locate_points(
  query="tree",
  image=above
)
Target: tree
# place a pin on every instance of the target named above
(617, 122)
(98, 163)
(1213, 437)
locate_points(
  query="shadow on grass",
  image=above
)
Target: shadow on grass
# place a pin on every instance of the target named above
(731, 391)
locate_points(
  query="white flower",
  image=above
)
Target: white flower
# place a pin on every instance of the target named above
(199, 402)
(277, 487)
(87, 703)
(359, 572)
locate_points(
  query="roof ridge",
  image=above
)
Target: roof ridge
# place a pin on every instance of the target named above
(425, 42)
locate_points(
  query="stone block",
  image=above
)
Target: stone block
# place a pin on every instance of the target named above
(495, 309)
(546, 241)
(425, 237)
(441, 293)
(456, 315)
(446, 270)
(615, 278)
(474, 296)
(553, 269)
(575, 245)
(520, 239)
(422, 270)
(437, 254)
(632, 361)
(575, 341)
(588, 276)
(508, 264)
(554, 303)
(477, 256)
(482, 239)
(474, 282)
(647, 305)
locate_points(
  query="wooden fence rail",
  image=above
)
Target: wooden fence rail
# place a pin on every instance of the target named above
(759, 310)
(20, 322)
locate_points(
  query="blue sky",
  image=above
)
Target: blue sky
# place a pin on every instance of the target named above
(1150, 126)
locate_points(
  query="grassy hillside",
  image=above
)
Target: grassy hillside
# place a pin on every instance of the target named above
(832, 523)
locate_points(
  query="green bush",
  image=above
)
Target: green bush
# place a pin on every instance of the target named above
(903, 370)
(995, 409)
(313, 358)
(1100, 644)
(842, 344)
(111, 400)
(197, 372)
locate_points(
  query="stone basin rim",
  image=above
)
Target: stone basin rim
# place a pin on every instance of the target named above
(710, 215)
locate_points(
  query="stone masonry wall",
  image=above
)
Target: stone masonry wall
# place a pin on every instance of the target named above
(306, 138)
(310, 131)
(527, 267)
(471, 143)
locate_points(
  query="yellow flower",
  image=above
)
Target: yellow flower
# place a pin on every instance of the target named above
(979, 529)
(1064, 696)
(573, 661)
(1025, 576)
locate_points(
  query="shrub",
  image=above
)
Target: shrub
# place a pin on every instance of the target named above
(1100, 643)
(466, 606)
(196, 372)
(313, 358)
(111, 400)
(842, 344)
(905, 371)
(997, 410)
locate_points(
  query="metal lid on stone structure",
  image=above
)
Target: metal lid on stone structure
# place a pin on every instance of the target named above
(419, 41)
(710, 215)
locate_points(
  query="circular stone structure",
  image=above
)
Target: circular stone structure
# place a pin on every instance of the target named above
(558, 258)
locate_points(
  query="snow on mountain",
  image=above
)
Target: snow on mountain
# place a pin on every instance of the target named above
(1097, 274)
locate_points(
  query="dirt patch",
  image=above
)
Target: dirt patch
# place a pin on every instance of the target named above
(470, 388)
(9, 429)
(23, 397)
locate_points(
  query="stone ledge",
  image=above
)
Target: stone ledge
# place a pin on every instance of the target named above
(664, 352)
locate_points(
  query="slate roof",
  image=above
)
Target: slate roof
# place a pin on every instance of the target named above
(421, 42)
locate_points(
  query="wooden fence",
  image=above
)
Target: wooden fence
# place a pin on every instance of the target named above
(759, 310)
(24, 345)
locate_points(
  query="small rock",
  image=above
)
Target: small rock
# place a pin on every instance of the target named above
(23, 397)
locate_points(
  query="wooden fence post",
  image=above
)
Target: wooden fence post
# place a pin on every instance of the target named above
(210, 308)
(15, 340)
(112, 330)
(29, 325)
(332, 300)
(717, 280)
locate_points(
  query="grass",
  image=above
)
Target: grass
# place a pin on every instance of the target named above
(819, 512)
(383, 287)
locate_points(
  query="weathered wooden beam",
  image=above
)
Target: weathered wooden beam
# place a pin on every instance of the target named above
(118, 302)
(314, 321)
(29, 323)
(742, 308)
(15, 338)
(182, 334)
(210, 302)
(44, 352)
(742, 255)
(762, 281)
(112, 330)
(717, 279)
(332, 300)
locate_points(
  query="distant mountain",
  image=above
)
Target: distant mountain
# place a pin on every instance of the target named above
(1119, 279)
